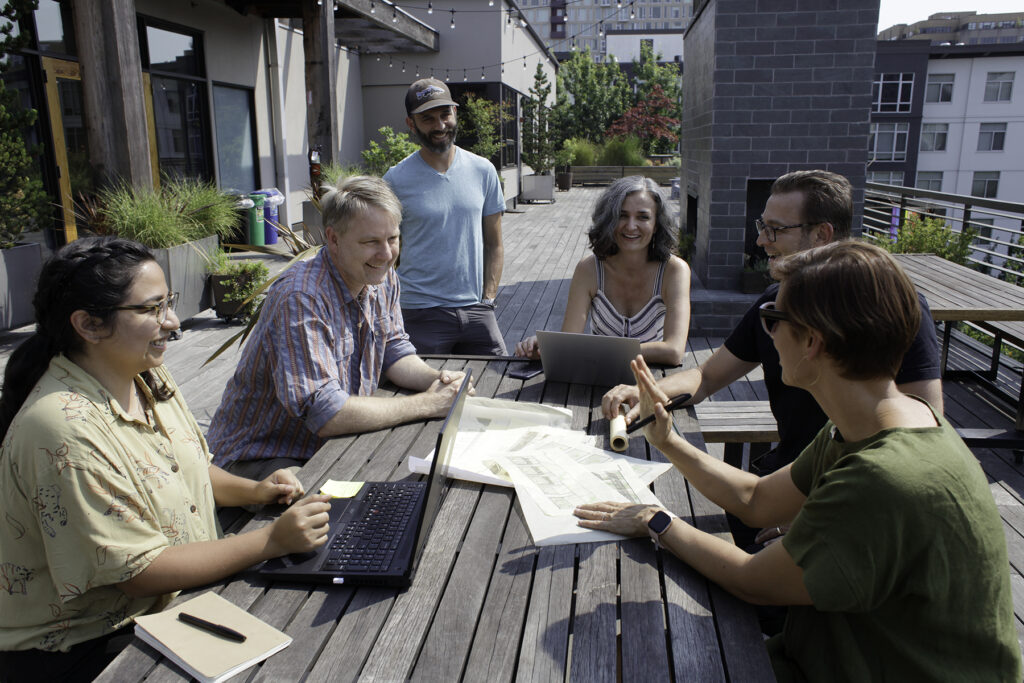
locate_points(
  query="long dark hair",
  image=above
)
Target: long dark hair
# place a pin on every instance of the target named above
(92, 274)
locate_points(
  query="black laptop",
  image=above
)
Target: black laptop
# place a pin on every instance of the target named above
(377, 536)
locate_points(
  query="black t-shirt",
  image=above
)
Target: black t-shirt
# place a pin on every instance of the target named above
(797, 413)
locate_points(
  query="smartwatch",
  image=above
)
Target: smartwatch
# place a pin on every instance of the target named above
(657, 525)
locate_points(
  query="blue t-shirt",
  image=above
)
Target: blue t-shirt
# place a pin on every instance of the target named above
(442, 257)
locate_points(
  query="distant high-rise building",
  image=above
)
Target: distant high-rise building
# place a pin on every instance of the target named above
(961, 28)
(565, 25)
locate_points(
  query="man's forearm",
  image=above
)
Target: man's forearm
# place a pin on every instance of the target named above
(494, 262)
(370, 413)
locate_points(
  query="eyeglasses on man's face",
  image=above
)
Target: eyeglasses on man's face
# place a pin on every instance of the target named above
(770, 231)
(770, 317)
(158, 309)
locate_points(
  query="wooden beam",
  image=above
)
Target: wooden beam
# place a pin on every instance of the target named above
(115, 111)
(321, 78)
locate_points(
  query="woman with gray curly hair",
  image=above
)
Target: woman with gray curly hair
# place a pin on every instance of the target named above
(632, 284)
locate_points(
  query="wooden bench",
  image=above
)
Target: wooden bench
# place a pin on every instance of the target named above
(735, 423)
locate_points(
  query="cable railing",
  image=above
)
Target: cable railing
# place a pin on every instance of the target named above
(998, 247)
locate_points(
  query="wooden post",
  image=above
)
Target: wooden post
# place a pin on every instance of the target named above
(115, 112)
(321, 78)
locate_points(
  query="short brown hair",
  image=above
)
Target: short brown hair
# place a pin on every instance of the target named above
(858, 298)
(352, 196)
(828, 198)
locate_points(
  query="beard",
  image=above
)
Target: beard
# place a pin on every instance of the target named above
(435, 145)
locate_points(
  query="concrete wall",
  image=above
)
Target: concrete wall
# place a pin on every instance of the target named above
(626, 46)
(782, 88)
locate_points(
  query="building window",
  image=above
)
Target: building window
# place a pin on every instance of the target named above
(985, 184)
(888, 141)
(939, 88)
(234, 116)
(929, 180)
(999, 86)
(933, 137)
(886, 177)
(992, 137)
(892, 92)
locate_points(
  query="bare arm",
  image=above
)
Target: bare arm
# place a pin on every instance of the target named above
(301, 528)
(577, 309)
(230, 490)
(494, 255)
(718, 371)
(928, 389)
(437, 390)
(675, 291)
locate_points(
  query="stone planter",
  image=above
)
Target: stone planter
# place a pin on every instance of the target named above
(538, 188)
(19, 271)
(184, 266)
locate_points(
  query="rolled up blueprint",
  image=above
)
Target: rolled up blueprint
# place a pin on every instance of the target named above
(617, 430)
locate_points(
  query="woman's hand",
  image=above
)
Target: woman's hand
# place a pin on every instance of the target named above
(652, 400)
(628, 519)
(625, 396)
(280, 487)
(528, 348)
(302, 527)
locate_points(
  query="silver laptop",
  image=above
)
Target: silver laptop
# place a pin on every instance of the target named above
(587, 358)
(376, 537)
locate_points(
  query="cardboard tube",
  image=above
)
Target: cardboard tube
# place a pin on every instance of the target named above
(617, 429)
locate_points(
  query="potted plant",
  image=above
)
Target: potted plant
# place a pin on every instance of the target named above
(538, 148)
(23, 202)
(236, 286)
(754, 278)
(181, 222)
(563, 168)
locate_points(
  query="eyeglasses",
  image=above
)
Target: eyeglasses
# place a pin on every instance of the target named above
(159, 309)
(770, 230)
(770, 317)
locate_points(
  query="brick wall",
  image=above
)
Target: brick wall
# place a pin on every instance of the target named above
(769, 86)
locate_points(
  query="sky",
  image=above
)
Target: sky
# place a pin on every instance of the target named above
(893, 12)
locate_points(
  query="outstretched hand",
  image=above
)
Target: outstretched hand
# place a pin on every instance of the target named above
(628, 519)
(652, 400)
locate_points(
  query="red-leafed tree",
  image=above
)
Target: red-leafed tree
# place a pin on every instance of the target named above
(649, 121)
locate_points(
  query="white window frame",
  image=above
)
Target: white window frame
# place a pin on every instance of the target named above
(993, 139)
(904, 84)
(938, 89)
(893, 136)
(999, 86)
(989, 184)
(937, 134)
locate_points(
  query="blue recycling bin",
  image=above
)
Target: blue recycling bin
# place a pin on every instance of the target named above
(271, 212)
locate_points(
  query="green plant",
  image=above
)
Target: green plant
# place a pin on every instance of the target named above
(582, 152)
(923, 235)
(590, 97)
(686, 244)
(23, 202)
(563, 158)
(217, 261)
(538, 146)
(243, 282)
(622, 152)
(332, 173)
(395, 147)
(481, 119)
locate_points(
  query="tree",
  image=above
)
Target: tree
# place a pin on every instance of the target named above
(379, 158)
(538, 143)
(22, 199)
(648, 121)
(649, 74)
(590, 97)
(481, 118)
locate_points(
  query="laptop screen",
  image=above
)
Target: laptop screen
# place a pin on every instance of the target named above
(438, 468)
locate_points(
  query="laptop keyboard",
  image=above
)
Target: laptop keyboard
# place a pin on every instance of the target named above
(368, 544)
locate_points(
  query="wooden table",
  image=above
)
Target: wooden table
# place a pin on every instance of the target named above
(956, 293)
(488, 605)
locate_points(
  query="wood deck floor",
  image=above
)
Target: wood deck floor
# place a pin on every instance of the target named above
(543, 242)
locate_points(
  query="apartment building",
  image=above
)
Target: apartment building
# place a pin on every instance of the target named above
(961, 28)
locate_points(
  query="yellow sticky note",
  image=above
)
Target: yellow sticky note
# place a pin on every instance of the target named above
(341, 489)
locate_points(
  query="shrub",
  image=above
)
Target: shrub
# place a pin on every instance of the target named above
(583, 152)
(243, 280)
(395, 147)
(930, 236)
(332, 173)
(622, 152)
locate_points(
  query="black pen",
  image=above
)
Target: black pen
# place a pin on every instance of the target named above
(670, 406)
(216, 629)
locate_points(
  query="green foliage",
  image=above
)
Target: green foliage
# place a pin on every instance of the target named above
(1015, 262)
(538, 145)
(622, 152)
(217, 261)
(181, 210)
(332, 173)
(651, 78)
(244, 281)
(648, 120)
(481, 119)
(931, 236)
(687, 241)
(582, 152)
(380, 157)
(23, 201)
(590, 97)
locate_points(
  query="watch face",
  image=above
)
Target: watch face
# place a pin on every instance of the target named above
(659, 522)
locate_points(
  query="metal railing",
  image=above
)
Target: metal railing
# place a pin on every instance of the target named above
(998, 247)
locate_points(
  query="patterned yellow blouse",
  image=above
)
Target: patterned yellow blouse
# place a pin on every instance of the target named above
(90, 497)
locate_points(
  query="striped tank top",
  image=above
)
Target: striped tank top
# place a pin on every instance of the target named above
(647, 325)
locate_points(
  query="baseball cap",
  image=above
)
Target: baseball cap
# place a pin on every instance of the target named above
(427, 93)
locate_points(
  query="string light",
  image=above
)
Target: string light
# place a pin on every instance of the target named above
(524, 63)
(482, 76)
(403, 68)
(446, 76)
(389, 62)
(490, 3)
(394, 15)
(600, 29)
(430, 7)
(573, 46)
(464, 77)
(508, 19)
(373, 7)
(632, 12)
(452, 26)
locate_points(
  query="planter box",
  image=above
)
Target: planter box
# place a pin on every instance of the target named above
(19, 272)
(538, 188)
(225, 310)
(185, 268)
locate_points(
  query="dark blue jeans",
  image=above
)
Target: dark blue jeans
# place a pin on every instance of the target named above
(470, 330)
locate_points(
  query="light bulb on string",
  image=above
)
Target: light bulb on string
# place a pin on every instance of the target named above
(389, 63)
(522, 21)
(573, 46)
(452, 25)
(373, 7)
(464, 76)
(430, 7)
(378, 56)
(482, 76)
(319, 3)
(632, 12)
(508, 19)
(394, 16)
(600, 29)
(403, 67)
(447, 77)
(524, 63)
